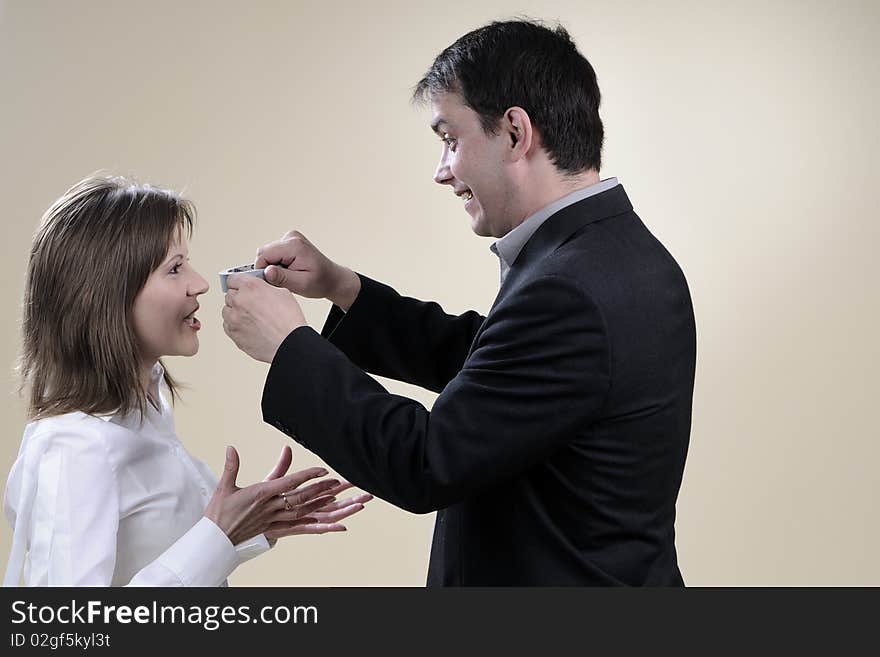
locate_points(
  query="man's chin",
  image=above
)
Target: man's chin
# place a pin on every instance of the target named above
(480, 228)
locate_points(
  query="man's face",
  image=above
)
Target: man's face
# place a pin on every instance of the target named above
(473, 164)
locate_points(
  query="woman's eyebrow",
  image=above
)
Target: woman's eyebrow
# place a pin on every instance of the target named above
(179, 254)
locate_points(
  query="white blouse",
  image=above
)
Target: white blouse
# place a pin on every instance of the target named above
(108, 501)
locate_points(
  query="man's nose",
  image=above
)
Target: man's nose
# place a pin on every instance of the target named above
(443, 175)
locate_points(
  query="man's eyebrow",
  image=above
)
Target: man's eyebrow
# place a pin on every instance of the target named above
(435, 125)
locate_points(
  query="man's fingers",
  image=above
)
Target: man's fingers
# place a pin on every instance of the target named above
(280, 252)
(292, 279)
(235, 282)
(230, 469)
(283, 465)
(278, 276)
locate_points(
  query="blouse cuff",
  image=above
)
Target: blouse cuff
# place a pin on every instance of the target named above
(251, 548)
(201, 557)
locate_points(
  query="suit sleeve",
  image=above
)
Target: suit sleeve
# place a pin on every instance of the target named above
(538, 373)
(402, 338)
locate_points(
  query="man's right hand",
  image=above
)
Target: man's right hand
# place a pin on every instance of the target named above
(294, 263)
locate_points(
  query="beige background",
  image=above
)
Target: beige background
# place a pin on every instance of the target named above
(745, 134)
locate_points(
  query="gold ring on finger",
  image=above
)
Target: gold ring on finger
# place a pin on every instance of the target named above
(286, 503)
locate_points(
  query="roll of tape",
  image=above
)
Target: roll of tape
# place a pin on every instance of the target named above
(241, 269)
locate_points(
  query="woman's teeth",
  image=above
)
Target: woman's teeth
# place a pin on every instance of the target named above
(467, 196)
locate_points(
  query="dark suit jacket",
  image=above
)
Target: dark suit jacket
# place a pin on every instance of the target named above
(555, 449)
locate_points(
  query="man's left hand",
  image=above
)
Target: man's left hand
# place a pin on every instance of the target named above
(258, 316)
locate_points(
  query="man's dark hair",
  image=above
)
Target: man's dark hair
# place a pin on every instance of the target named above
(523, 63)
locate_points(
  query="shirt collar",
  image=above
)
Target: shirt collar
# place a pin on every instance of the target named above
(508, 247)
(157, 375)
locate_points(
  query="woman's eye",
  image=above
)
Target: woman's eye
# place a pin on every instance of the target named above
(449, 141)
(175, 269)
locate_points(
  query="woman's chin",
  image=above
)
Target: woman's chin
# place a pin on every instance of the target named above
(190, 350)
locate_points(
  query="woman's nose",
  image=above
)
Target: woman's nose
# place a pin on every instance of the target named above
(199, 285)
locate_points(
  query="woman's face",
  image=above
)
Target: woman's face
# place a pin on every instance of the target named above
(164, 310)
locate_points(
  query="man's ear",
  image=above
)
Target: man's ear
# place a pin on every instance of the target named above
(518, 129)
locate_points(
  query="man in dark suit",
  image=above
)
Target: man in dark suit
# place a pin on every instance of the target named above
(555, 450)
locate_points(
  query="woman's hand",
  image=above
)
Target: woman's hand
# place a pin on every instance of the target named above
(326, 519)
(242, 513)
(323, 520)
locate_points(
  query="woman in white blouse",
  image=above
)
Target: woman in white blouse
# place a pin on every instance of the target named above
(103, 492)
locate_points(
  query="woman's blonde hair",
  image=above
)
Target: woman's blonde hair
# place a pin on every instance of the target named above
(92, 255)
